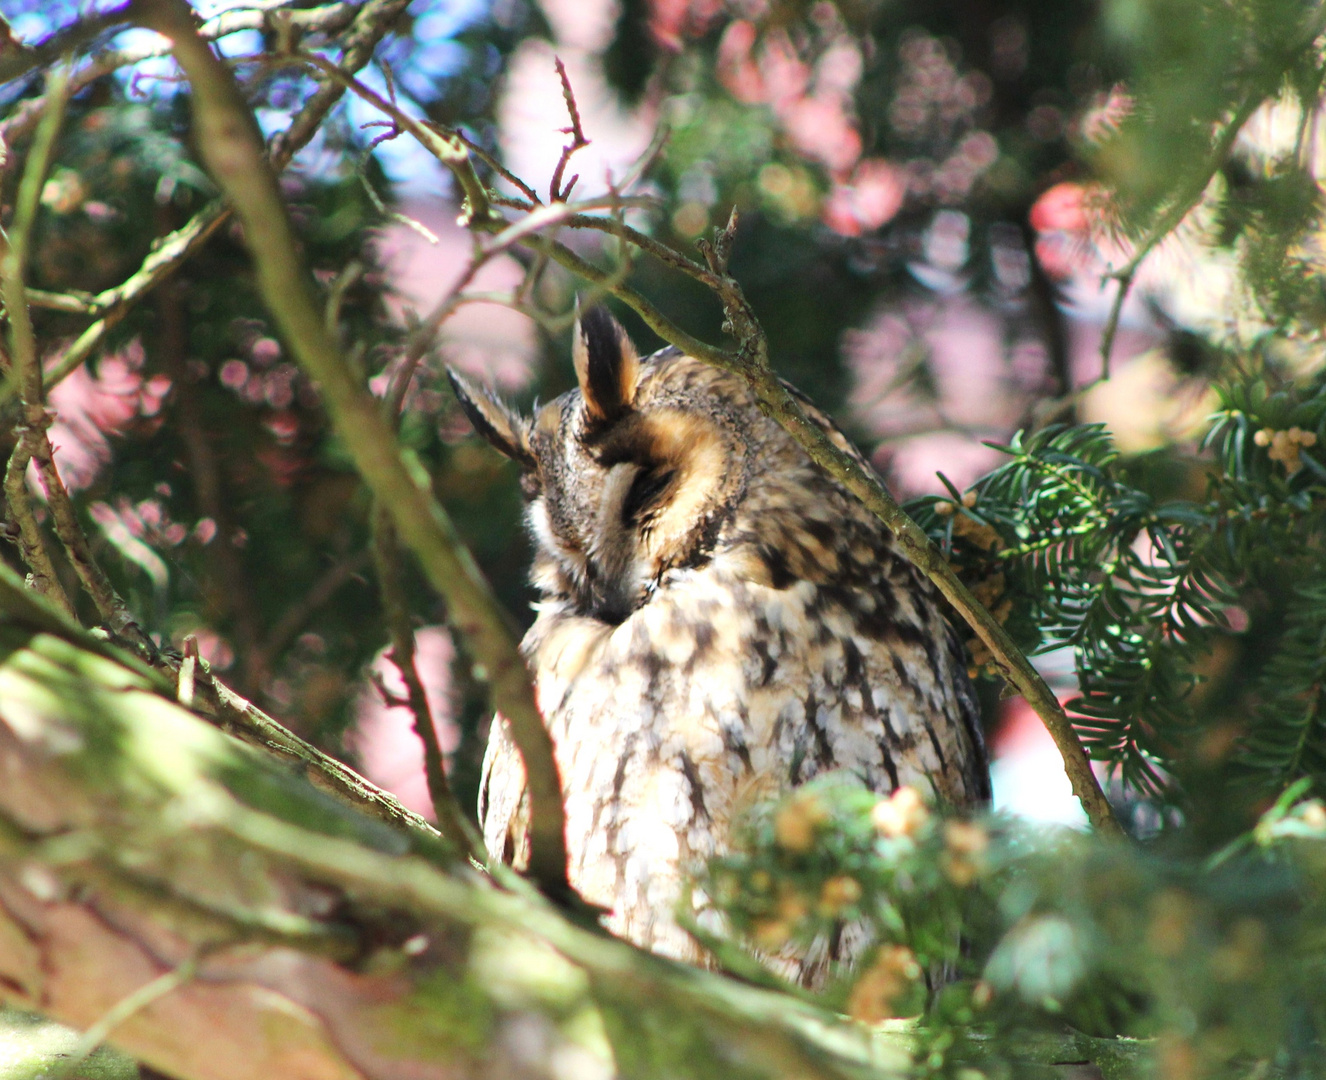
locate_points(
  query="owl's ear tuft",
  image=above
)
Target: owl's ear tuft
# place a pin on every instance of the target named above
(607, 365)
(497, 422)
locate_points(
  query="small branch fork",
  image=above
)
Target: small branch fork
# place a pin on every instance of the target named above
(451, 819)
(557, 193)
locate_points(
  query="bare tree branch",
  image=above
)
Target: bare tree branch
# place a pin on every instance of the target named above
(25, 365)
(451, 819)
(31, 546)
(232, 149)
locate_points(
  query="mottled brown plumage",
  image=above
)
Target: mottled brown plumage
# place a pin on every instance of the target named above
(719, 621)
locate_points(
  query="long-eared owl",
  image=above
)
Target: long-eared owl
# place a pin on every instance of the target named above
(719, 621)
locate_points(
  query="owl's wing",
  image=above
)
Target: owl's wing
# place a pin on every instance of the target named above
(503, 799)
(969, 714)
(966, 710)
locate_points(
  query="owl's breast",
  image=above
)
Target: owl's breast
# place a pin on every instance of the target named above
(721, 691)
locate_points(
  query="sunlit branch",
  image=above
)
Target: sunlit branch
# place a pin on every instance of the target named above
(25, 364)
(31, 546)
(445, 145)
(232, 148)
(557, 192)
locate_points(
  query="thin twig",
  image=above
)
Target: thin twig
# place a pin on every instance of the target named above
(361, 171)
(70, 303)
(386, 557)
(533, 274)
(25, 365)
(423, 336)
(497, 167)
(652, 317)
(557, 193)
(319, 593)
(231, 146)
(370, 26)
(350, 273)
(445, 145)
(641, 166)
(396, 608)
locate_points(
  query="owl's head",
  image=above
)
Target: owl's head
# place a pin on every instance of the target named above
(629, 476)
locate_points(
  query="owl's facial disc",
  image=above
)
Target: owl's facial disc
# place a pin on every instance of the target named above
(628, 477)
(661, 478)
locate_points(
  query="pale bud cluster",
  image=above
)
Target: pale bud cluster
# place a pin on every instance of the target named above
(797, 820)
(965, 845)
(1286, 446)
(884, 985)
(901, 814)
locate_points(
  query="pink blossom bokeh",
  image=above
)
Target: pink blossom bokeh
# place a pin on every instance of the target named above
(90, 409)
(489, 341)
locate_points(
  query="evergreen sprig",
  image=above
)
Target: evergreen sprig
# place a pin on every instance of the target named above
(998, 932)
(1076, 548)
